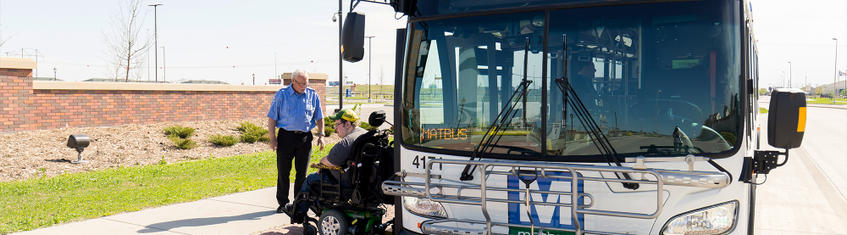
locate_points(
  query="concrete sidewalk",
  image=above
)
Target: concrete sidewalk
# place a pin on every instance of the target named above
(239, 213)
(831, 106)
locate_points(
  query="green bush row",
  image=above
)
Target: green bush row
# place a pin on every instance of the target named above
(250, 133)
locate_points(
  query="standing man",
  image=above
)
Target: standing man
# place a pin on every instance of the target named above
(295, 110)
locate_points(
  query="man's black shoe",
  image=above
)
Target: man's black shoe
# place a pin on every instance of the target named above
(280, 209)
(296, 218)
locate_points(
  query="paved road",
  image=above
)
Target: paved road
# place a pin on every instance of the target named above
(809, 194)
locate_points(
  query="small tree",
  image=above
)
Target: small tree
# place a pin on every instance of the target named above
(127, 45)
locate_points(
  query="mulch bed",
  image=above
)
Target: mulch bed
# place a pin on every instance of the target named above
(43, 153)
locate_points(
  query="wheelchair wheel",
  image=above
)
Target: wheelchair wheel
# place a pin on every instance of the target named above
(308, 229)
(333, 222)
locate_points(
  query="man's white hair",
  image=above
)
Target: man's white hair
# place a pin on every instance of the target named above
(300, 72)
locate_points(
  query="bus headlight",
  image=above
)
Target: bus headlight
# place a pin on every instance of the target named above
(715, 219)
(424, 207)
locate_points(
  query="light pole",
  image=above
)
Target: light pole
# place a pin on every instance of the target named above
(54, 74)
(835, 76)
(369, 67)
(340, 55)
(155, 39)
(254, 79)
(789, 74)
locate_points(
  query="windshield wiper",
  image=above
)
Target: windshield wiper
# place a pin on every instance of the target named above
(491, 138)
(603, 145)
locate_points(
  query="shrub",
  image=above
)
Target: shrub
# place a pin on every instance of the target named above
(329, 126)
(254, 135)
(179, 131)
(223, 140)
(251, 133)
(246, 126)
(181, 143)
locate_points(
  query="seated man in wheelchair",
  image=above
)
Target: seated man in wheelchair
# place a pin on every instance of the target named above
(346, 127)
(347, 184)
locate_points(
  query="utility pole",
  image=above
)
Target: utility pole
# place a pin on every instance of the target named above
(164, 66)
(369, 67)
(36, 62)
(155, 39)
(835, 80)
(275, 72)
(148, 63)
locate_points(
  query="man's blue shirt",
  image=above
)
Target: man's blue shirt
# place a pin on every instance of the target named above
(296, 112)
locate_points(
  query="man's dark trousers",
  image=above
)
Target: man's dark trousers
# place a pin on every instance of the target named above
(296, 146)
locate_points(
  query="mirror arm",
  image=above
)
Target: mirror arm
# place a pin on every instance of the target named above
(786, 158)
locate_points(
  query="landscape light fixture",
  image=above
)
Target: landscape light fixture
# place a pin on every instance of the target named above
(78, 142)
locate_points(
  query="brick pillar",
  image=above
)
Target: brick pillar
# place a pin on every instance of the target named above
(317, 81)
(15, 102)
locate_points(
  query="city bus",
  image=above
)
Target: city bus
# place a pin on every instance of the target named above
(580, 117)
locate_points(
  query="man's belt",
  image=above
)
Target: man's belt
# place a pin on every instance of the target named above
(295, 132)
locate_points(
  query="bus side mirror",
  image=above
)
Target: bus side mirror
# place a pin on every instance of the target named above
(786, 118)
(353, 37)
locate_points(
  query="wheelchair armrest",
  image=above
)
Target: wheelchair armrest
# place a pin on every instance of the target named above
(325, 167)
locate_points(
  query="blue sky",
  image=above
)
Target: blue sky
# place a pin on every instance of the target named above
(205, 39)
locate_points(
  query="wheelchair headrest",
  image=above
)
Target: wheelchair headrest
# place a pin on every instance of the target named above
(377, 118)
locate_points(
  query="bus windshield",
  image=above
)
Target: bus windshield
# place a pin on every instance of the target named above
(656, 82)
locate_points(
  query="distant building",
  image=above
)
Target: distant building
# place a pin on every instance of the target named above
(826, 90)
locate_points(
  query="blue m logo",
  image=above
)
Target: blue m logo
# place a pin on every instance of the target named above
(547, 216)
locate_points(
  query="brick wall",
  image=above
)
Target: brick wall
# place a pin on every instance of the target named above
(16, 72)
(60, 108)
(15, 103)
(48, 105)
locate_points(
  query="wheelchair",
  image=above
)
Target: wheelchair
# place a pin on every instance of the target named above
(348, 200)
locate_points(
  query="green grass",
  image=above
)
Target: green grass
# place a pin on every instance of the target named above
(825, 101)
(763, 110)
(41, 202)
